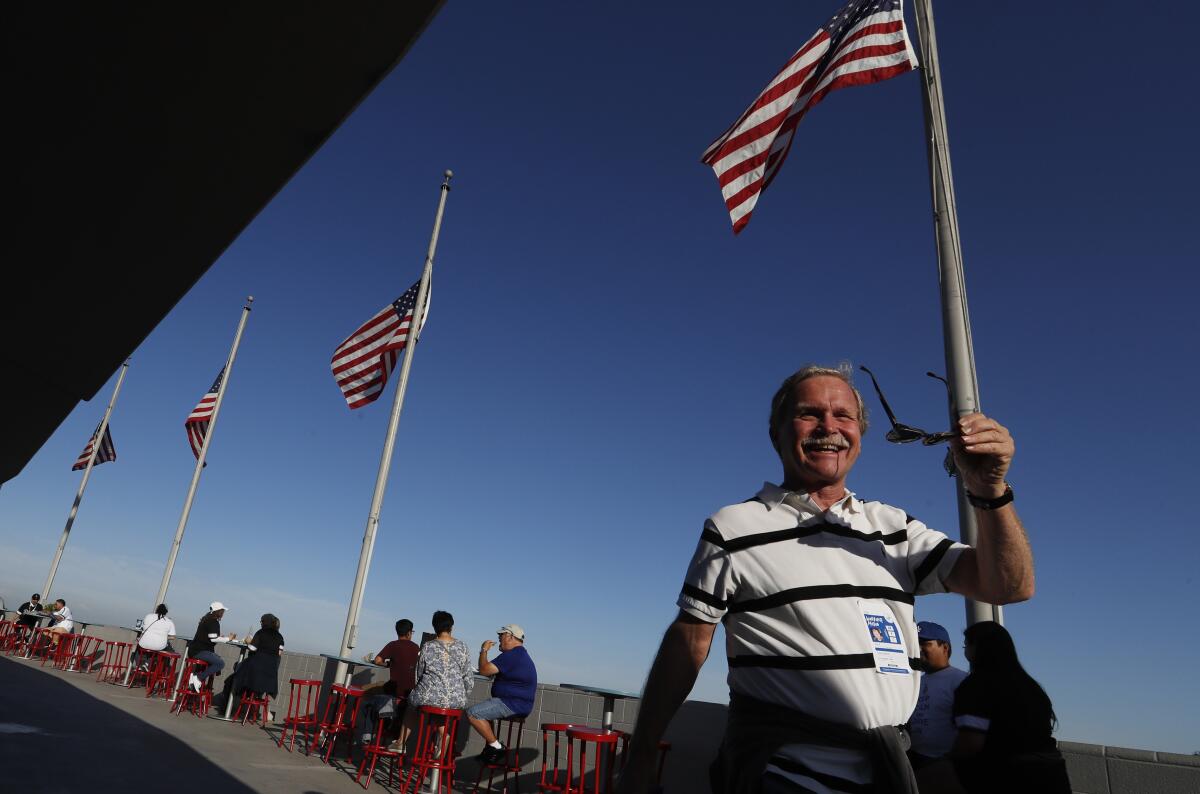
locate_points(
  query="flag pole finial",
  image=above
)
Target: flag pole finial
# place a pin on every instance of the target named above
(249, 300)
(449, 175)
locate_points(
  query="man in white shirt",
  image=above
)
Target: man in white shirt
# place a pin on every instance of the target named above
(814, 696)
(60, 622)
(932, 723)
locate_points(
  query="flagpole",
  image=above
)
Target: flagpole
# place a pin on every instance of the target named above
(212, 426)
(87, 472)
(956, 321)
(350, 632)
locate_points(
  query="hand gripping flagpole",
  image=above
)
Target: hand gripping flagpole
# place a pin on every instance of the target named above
(208, 435)
(956, 321)
(87, 472)
(350, 633)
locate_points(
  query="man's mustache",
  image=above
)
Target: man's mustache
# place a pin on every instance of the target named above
(836, 440)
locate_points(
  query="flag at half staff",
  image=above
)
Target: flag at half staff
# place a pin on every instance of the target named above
(863, 43)
(361, 365)
(107, 450)
(197, 422)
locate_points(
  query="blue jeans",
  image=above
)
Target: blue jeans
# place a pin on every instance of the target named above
(215, 665)
(490, 709)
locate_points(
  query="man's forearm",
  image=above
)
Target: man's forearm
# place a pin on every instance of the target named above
(1004, 558)
(682, 653)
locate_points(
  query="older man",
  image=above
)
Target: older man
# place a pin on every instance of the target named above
(816, 589)
(513, 688)
(932, 723)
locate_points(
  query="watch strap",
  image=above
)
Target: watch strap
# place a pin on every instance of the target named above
(991, 504)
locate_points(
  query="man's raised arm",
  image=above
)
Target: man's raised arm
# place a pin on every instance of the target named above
(999, 570)
(684, 648)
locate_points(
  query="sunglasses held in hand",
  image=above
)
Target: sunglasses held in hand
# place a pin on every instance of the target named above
(902, 433)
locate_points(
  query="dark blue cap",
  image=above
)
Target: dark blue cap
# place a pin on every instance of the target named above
(928, 630)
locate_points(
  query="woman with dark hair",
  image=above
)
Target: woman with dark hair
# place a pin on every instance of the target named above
(1005, 721)
(444, 677)
(260, 671)
(157, 631)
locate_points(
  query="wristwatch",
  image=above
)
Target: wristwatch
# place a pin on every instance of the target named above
(991, 504)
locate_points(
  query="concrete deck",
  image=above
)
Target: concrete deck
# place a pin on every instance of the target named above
(64, 732)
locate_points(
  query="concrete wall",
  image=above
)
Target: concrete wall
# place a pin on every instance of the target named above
(697, 728)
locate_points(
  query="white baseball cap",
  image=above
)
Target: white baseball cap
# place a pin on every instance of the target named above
(513, 629)
(215, 606)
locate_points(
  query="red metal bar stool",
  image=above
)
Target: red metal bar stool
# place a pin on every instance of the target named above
(115, 662)
(8, 634)
(374, 751)
(186, 699)
(143, 667)
(302, 711)
(85, 653)
(602, 770)
(163, 675)
(38, 645)
(253, 706)
(343, 702)
(510, 764)
(435, 749)
(554, 778)
(623, 754)
(19, 640)
(64, 652)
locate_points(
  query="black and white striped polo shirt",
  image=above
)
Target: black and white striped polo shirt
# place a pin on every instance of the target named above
(788, 581)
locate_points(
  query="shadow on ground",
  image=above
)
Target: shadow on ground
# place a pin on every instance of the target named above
(55, 738)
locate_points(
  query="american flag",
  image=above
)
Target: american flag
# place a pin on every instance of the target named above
(107, 450)
(863, 43)
(361, 365)
(197, 422)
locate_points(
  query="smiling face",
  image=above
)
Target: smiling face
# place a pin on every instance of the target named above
(821, 440)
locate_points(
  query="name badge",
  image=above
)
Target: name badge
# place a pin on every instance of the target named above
(887, 643)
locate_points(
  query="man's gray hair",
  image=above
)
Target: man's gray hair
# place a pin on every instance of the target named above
(781, 403)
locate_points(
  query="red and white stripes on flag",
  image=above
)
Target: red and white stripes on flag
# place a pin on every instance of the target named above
(863, 43)
(361, 364)
(197, 422)
(107, 450)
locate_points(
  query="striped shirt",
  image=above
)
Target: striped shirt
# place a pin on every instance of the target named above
(791, 583)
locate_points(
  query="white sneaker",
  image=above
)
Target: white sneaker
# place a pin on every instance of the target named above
(194, 683)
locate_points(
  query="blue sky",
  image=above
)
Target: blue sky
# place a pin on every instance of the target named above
(595, 374)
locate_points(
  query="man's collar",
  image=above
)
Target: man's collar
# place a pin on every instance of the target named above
(772, 496)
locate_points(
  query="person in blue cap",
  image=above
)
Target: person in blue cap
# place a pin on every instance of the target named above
(932, 725)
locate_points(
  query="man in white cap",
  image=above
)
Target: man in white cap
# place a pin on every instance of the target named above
(513, 688)
(203, 645)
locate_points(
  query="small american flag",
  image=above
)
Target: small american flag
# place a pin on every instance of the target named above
(107, 450)
(361, 365)
(863, 43)
(197, 422)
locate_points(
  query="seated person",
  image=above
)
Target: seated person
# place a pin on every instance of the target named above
(259, 672)
(31, 612)
(400, 655)
(1005, 721)
(157, 631)
(203, 645)
(444, 676)
(513, 688)
(60, 622)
